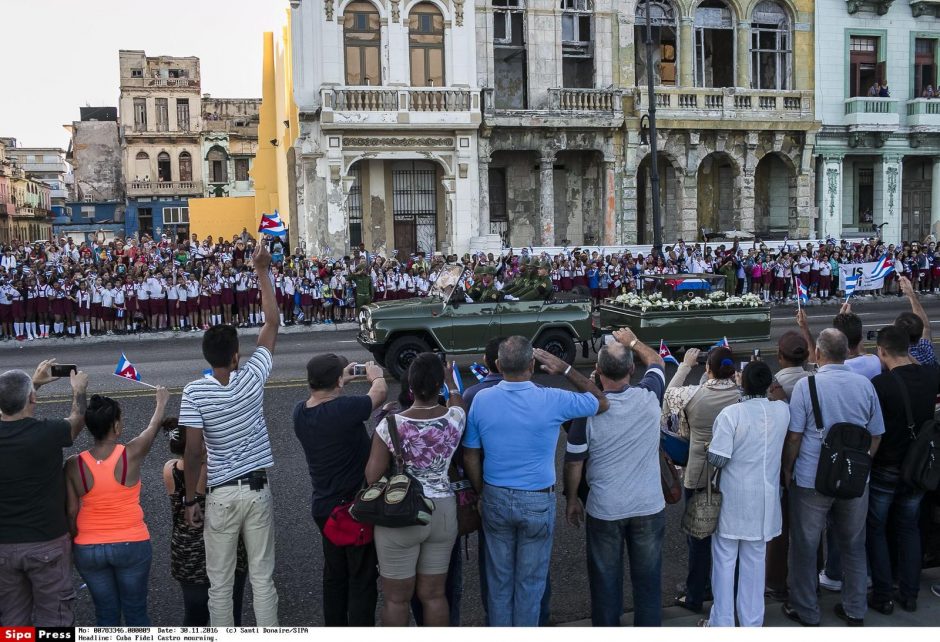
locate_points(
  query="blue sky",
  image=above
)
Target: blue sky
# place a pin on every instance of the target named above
(60, 55)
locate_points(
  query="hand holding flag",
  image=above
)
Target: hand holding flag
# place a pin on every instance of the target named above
(127, 370)
(801, 291)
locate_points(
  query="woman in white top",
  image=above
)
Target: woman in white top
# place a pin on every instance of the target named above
(747, 444)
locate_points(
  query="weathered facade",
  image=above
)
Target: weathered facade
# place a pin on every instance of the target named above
(734, 92)
(878, 161)
(25, 202)
(389, 111)
(229, 145)
(46, 164)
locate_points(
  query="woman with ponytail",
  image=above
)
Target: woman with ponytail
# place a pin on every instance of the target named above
(111, 542)
(694, 408)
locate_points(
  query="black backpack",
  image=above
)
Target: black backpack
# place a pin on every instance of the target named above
(921, 466)
(844, 462)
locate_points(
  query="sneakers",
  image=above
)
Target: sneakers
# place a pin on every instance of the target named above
(828, 583)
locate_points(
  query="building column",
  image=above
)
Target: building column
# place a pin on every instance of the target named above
(744, 183)
(830, 208)
(686, 52)
(609, 231)
(890, 199)
(547, 199)
(802, 215)
(743, 55)
(935, 198)
(688, 224)
(483, 219)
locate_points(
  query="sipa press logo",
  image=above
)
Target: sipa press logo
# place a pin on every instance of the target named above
(17, 634)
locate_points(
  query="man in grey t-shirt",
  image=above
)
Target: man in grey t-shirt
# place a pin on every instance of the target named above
(625, 503)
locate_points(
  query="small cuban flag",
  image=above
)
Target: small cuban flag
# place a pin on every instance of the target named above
(801, 290)
(480, 372)
(126, 369)
(455, 371)
(722, 344)
(881, 269)
(271, 224)
(851, 282)
(666, 354)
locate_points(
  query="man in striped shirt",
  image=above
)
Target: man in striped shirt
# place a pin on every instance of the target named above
(225, 412)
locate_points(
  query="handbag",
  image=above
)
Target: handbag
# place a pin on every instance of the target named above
(468, 517)
(396, 500)
(700, 519)
(342, 529)
(669, 477)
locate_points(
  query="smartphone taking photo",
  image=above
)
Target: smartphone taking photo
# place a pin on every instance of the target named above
(63, 369)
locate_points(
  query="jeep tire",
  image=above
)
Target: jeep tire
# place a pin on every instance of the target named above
(402, 352)
(558, 343)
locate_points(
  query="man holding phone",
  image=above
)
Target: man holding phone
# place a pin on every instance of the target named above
(36, 576)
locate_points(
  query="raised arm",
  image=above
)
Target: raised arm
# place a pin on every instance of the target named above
(689, 360)
(378, 390)
(916, 307)
(553, 365)
(647, 356)
(261, 260)
(138, 448)
(803, 323)
(76, 418)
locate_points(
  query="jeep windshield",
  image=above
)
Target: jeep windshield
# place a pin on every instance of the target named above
(447, 281)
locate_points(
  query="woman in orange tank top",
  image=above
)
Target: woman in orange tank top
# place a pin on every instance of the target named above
(111, 542)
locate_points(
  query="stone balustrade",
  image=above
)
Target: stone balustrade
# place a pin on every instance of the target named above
(393, 106)
(707, 103)
(169, 188)
(586, 100)
(871, 114)
(924, 114)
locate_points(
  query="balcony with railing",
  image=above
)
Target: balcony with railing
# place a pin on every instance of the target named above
(583, 108)
(164, 188)
(923, 114)
(872, 114)
(400, 107)
(727, 103)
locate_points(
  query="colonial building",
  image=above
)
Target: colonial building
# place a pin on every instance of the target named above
(25, 202)
(229, 143)
(734, 100)
(46, 164)
(159, 110)
(878, 165)
(389, 110)
(97, 165)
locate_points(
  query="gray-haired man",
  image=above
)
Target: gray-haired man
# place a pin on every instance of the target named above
(35, 547)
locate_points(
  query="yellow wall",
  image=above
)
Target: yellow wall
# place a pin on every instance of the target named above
(222, 217)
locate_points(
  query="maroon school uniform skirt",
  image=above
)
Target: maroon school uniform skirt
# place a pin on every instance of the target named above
(215, 300)
(581, 281)
(306, 300)
(158, 306)
(57, 307)
(6, 313)
(241, 299)
(130, 303)
(42, 305)
(96, 310)
(814, 277)
(825, 282)
(279, 296)
(18, 311)
(779, 283)
(228, 296)
(566, 284)
(254, 296)
(205, 303)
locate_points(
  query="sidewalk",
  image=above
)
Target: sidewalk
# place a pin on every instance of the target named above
(927, 614)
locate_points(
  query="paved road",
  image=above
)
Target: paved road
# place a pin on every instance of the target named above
(175, 361)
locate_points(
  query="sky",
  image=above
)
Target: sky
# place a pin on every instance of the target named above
(63, 54)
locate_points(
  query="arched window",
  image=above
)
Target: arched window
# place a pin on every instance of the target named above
(664, 29)
(164, 173)
(186, 167)
(577, 44)
(771, 47)
(218, 165)
(426, 46)
(142, 167)
(362, 39)
(714, 45)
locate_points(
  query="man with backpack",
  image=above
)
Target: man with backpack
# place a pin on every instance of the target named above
(906, 393)
(826, 463)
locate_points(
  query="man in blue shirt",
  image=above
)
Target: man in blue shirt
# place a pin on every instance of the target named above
(516, 423)
(844, 397)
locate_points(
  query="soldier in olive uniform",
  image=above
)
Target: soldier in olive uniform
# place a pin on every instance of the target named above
(541, 286)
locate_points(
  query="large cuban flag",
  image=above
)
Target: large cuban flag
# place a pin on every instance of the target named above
(272, 224)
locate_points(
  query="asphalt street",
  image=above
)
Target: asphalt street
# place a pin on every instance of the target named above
(173, 361)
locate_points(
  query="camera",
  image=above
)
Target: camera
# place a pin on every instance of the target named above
(871, 335)
(63, 369)
(359, 370)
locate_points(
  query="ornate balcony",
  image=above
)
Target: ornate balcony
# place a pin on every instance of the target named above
(871, 114)
(726, 103)
(923, 114)
(581, 108)
(400, 107)
(164, 188)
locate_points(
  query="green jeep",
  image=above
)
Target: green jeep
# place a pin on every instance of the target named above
(397, 331)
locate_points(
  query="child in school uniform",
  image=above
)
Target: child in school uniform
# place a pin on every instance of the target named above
(192, 303)
(287, 306)
(107, 308)
(120, 309)
(306, 300)
(172, 305)
(18, 311)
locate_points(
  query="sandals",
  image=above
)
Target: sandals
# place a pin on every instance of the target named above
(375, 491)
(397, 489)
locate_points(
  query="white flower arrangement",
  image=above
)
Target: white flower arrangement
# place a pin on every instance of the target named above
(713, 301)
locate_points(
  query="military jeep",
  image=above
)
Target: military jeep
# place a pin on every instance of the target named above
(395, 332)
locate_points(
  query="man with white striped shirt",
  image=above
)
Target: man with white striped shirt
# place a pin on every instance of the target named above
(226, 413)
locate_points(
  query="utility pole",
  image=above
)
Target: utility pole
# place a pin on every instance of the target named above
(651, 112)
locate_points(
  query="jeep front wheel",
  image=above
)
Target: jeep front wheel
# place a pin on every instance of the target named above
(402, 352)
(558, 343)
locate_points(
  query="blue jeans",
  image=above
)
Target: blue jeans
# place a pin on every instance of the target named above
(884, 493)
(545, 609)
(519, 527)
(644, 538)
(117, 577)
(700, 566)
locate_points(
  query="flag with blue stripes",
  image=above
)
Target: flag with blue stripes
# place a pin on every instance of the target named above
(801, 291)
(881, 269)
(721, 344)
(851, 282)
(272, 224)
(457, 378)
(666, 354)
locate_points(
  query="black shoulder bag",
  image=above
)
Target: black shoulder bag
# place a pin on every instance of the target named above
(396, 500)
(920, 467)
(844, 462)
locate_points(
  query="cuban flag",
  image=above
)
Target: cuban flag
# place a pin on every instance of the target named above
(851, 282)
(271, 224)
(881, 269)
(802, 292)
(666, 354)
(480, 372)
(126, 369)
(455, 371)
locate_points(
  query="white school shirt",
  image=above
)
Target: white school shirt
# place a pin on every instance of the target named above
(84, 300)
(316, 291)
(5, 295)
(192, 290)
(172, 293)
(107, 298)
(824, 268)
(118, 294)
(96, 293)
(143, 292)
(182, 292)
(290, 286)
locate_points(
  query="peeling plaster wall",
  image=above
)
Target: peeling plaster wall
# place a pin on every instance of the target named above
(522, 194)
(97, 160)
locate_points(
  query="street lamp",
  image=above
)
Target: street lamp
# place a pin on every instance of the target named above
(651, 121)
